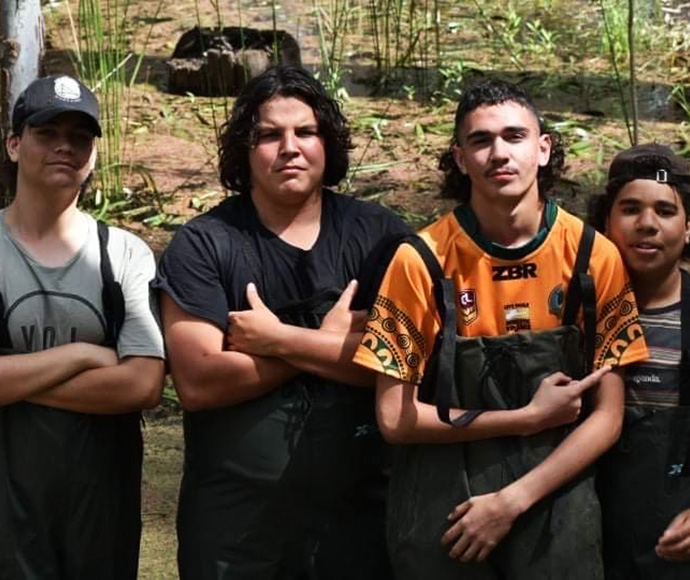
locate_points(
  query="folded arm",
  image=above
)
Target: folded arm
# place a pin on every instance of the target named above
(133, 384)
(205, 375)
(24, 375)
(404, 419)
(326, 351)
(479, 523)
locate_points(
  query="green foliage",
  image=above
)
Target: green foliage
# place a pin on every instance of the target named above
(101, 38)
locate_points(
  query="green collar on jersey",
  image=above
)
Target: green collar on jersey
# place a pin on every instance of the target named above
(468, 221)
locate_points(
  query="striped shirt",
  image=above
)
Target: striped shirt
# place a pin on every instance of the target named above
(654, 382)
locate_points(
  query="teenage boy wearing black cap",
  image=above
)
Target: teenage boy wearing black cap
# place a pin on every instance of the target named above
(644, 481)
(80, 354)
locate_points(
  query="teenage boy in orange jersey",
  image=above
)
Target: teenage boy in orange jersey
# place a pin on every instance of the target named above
(505, 491)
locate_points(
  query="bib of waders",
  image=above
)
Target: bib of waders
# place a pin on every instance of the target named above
(496, 373)
(644, 481)
(70, 482)
(293, 481)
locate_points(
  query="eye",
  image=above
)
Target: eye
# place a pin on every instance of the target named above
(267, 136)
(629, 209)
(82, 139)
(45, 132)
(515, 136)
(479, 141)
(308, 132)
(667, 211)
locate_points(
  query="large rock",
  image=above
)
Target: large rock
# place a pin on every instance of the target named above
(213, 62)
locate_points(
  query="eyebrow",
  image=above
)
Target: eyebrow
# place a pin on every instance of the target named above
(661, 202)
(268, 125)
(508, 129)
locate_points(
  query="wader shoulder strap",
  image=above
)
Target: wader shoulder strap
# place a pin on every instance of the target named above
(440, 373)
(582, 292)
(112, 296)
(5, 339)
(684, 338)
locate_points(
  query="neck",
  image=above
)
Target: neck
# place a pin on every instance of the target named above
(37, 216)
(50, 230)
(658, 290)
(508, 222)
(297, 224)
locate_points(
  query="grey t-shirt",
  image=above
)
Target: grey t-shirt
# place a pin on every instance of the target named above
(47, 307)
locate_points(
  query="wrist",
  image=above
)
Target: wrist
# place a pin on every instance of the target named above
(516, 499)
(281, 342)
(528, 421)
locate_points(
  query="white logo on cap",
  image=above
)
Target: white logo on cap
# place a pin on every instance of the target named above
(67, 89)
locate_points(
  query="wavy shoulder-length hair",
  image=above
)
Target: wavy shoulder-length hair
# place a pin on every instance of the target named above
(238, 134)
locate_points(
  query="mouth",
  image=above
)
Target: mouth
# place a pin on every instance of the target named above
(290, 169)
(646, 247)
(501, 174)
(62, 163)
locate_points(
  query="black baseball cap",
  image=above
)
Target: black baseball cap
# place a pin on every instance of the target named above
(47, 97)
(650, 161)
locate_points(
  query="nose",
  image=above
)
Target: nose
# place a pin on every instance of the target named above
(646, 220)
(499, 149)
(288, 143)
(63, 143)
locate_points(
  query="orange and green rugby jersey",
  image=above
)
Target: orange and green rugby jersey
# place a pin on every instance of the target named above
(498, 291)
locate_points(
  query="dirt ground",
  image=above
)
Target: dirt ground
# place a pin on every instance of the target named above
(170, 146)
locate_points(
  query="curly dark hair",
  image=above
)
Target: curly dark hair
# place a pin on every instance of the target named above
(458, 186)
(238, 133)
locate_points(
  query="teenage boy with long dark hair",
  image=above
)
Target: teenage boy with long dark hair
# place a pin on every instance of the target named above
(284, 467)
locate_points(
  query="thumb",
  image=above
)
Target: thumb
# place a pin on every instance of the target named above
(347, 296)
(592, 379)
(255, 302)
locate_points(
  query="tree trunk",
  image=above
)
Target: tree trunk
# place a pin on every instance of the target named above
(21, 50)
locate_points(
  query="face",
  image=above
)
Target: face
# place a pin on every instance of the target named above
(648, 224)
(288, 158)
(501, 150)
(58, 155)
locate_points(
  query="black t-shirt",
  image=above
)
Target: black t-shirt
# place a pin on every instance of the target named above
(207, 266)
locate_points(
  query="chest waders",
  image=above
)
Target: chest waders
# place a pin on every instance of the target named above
(290, 485)
(559, 538)
(70, 482)
(644, 481)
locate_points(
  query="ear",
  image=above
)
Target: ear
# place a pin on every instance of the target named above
(686, 235)
(12, 144)
(457, 155)
(544, 149)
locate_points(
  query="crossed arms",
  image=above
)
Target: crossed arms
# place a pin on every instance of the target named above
(82, 377)
(259, 352)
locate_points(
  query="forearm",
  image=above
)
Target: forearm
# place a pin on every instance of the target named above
(324, 353)
(226, 378)
(594, 436)
(24, 375)
(132, 385)
(404, 419)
